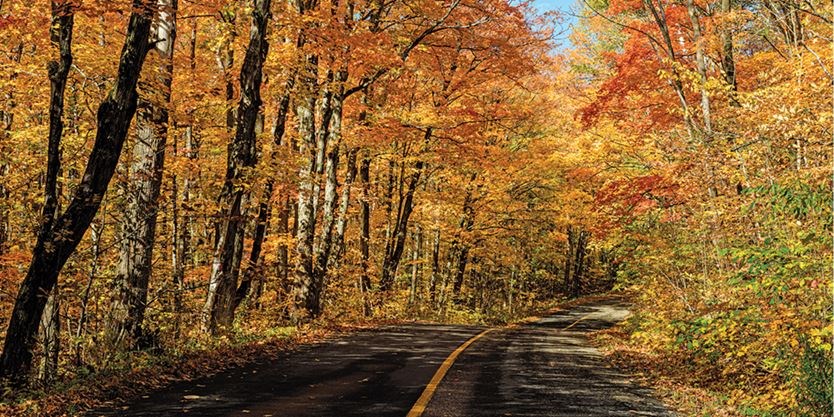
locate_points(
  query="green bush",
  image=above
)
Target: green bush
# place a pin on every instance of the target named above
(815, 382)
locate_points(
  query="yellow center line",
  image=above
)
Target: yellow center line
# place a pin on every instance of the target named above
(422, 402)
(420, 406)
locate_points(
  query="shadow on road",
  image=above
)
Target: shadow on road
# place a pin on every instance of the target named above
(544, 369)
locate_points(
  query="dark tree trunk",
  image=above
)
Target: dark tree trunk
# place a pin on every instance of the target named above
(728, 65)
(226, 59)
(56, 244)
(60, 34)
(388, 199)
(461, 260)
(219, 309)
(288, 209)
(63, 17)
(253, 267)
(510, 292)
(466, 224)
(579, 263)
(394, 251)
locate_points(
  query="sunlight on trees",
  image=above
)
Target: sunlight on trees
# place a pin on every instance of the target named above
(353, 160)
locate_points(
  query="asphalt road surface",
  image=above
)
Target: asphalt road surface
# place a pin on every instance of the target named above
(546, 368)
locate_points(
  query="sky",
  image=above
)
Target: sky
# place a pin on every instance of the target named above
(564, 8)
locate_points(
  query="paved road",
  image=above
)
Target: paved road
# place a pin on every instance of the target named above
(545, 368)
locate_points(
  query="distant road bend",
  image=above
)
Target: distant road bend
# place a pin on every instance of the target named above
(545, 368)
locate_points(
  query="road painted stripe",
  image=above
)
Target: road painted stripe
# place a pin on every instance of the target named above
(420, 406)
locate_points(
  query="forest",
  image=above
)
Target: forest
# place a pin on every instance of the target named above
(181, 176)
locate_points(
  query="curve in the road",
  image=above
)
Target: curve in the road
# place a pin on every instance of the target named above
(546, 368)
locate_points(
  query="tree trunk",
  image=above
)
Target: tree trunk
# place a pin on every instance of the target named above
(344, 203)
(283, 249)
(394, 251)
(701, 64)
(322, 139)
(466, 224)
(435, 266)
(331, 201)
(63, 17)
(461, 259)
(569, 259)
(265, 209)
(510, 293)
(443, 298)
(50, 336)
(226, 60)
(388, 199)
(333, 223)
(669, 50)
(728, 64)
(365, 233)
(182, 216)
(579, 262)
(177, 230)
(218, 312)
(254, 265)
(60, 34)
(56, 244)
(139, 224)
(95, 236)
(182, 245)
(305, 290)
(416, 267)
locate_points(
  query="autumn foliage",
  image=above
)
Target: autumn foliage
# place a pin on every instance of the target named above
(354, 160)
(715, 122)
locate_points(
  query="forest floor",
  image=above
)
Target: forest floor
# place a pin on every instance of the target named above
(671, 380)
(543, 367)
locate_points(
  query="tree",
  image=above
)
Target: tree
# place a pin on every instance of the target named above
(56, 243)
(220, 303)
(139, 224)
(63, 19)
